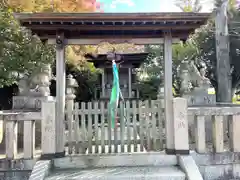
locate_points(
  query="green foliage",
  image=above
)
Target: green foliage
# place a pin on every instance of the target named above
(87, 79)
(153, 65)
(152, 68)
(20, 52)
(149, 88)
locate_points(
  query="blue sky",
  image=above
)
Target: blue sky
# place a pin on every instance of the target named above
(146, 5)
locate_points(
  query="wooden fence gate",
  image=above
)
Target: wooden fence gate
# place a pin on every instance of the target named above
(139, 127)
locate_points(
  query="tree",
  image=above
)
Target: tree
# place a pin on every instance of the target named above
(83, 71)
(152, 69)
(204, 40)
(201, 46)
(189, 5)
(76, 5)
(53, 5)
(20, 52)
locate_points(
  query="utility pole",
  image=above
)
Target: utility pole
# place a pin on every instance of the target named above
(224, 80)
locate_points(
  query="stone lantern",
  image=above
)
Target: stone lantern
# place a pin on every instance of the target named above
(42, 79)
(71, 85)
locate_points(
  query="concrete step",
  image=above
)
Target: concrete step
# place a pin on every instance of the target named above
(119, 173)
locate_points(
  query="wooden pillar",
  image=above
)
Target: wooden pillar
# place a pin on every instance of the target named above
(103, 82)
(60, 94)
(168, 96)
(129, 82)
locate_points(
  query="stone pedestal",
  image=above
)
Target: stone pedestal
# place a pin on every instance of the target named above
(29, 103)
(181, 142)
(200, 97)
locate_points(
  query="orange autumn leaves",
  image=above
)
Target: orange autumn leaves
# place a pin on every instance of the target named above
(76, 5)
(54, 5)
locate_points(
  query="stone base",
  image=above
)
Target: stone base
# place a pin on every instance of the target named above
(170, 151)
(29, 102)
(52, 156)
(200, 97)
(219, 166)
(182, 151)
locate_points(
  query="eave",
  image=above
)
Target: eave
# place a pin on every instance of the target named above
(108, 25)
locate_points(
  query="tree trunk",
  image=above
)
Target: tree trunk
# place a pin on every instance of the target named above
(224, 79)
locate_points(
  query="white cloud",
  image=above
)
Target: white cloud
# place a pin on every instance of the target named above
(124, 2)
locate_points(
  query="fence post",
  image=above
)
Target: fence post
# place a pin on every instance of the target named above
(49, 129)
(161, 113)
(180, 121)
(11, 139)
(235, 133)
(70, 96)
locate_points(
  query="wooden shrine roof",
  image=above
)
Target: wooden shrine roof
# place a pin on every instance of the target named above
(134, 59)
(108, 25)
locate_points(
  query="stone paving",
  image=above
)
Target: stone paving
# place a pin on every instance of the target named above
(120, 173)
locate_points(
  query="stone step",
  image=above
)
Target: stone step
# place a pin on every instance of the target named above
(116, 160)
(120, 173)
(15, 175)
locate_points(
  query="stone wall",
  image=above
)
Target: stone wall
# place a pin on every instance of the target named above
(219, 166)
(200, 98)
